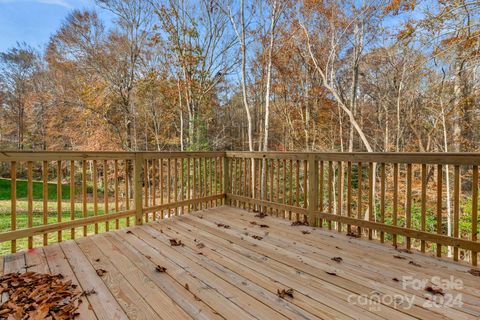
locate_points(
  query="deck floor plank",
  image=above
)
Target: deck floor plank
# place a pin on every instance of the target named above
(103, 301)
(231, 275)
(360, 273)
(314, 267)
(58, 264)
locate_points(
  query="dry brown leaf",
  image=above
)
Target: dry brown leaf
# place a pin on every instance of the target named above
(160, 269)
(299, 223)
(101, 272)
(200, 245)
(337, 259)
(257, 237)
(474, 272)
(434, 290)
(285, 292)
(413, 263)
(175, 243)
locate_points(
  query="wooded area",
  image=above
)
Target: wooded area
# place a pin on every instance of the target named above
(249, 75)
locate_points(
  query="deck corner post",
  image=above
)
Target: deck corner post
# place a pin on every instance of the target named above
(138, 187)
(312, 189)
(226, 180)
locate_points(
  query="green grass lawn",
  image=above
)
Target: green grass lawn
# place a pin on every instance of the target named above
(6, 190)
(22, 220)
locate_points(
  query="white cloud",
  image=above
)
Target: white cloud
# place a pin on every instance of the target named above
(62, 3)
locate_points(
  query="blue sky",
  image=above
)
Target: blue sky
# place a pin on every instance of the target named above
(34, 21)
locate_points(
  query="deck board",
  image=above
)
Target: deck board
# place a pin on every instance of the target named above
(231, 275)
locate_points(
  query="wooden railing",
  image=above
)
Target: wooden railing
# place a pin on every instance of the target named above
(100, 191)
(397, 197)
(400, 198)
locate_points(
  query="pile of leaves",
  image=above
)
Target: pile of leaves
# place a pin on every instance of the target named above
(34, 295)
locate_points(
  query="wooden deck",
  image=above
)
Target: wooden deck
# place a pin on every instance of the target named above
(223, 272)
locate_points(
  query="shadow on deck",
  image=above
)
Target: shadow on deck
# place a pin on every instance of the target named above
(231, 265)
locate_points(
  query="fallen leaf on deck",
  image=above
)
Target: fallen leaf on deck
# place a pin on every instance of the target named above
(175, 243)
(129, 231)
(97, 260)
(187, 287)
(200, 245)
(413, 263)
(337, 259)
(264, 226)
(396, 256)
(101, 272)
(353, 235)
(261, 215)
(474, 272)
(221, 225)
(87, 293)
(253, 223)
(34, 295)
(282, 293)
(305, 232)
(257, 237)
(434, 290)
(299, 223)
(404, 250)
(396, 280)
(160, 269)
(332, 273)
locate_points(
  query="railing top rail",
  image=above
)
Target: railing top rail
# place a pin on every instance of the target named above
(458, 158)
(98, 155)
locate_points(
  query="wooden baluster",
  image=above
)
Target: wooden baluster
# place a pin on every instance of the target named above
(339, 193)
(277, 192)
(370, 197)
(297, 187)
(330, 192)
(246, 183)
(194, 188)
(456, 208)
(321, 192)
(382, 200)
(72, 196)
(13, 211)
(395, 201)
(210, 173)
(169, 184)
(439, 206)
(154, 188)
(30, 200)
(284, 185)
(182, 183)
(59, 198)
(205, 179)
(146, 181)
(105, 193)
(175, 184)
(349, 195)
(127, 195)
(272, 173)
(305, 186)
(217, 161)
(45, 199)
(117, 208)
(409, 204)
(84, 194)
(423, 218)
(160, 165)
(360, 202)
(95, 195)
(290, 187)
(189, 191)
(474, 211)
